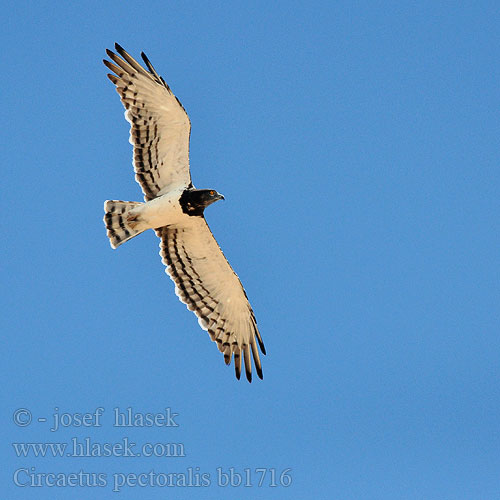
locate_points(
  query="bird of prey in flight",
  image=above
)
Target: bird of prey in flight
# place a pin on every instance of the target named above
(174, 209)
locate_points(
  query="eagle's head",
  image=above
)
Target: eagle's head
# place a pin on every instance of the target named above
(194, 201)
(208, 196)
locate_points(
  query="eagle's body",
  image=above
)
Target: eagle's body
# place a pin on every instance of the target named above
(204, 280)
(158, 212)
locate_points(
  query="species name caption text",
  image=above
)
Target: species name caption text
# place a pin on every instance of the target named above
(87, 447)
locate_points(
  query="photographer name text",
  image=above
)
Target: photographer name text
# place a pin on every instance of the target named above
(119, 418)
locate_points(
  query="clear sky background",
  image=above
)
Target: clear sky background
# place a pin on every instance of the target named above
(357, 146)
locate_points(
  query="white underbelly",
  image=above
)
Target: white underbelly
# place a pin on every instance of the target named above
(161, 211)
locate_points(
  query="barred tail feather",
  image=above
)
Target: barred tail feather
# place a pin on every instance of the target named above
(119, 227)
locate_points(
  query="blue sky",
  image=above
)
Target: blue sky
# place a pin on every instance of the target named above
(356, 144)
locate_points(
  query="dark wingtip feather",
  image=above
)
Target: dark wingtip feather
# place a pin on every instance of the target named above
(259, 340)
(110, 53)
(119, 48)
(146, 60)
(261, 343)
(112, 66)
(256, 359)
(113, 78)
(259, 373)
(257, 335)
(237, 364)
(248, 362)
(262, 348)
(150, 66)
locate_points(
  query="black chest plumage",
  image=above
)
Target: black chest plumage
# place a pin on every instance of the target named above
(194, 201)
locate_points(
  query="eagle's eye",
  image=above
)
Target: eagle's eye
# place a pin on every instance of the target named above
(212, 193)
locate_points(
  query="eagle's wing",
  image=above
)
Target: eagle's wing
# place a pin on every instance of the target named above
(159, 129)
(210, 288)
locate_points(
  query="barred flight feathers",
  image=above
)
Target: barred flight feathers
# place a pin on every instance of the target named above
(160, 127)
(210, 288)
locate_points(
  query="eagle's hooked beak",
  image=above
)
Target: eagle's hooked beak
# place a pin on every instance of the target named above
(220, 196)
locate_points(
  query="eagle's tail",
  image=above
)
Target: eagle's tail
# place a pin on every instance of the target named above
(120, 223)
